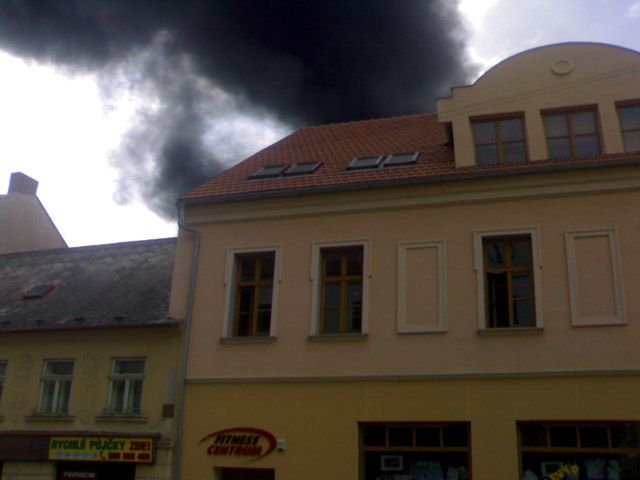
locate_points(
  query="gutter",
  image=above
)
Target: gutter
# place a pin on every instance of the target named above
(182, 366)
(475, 174)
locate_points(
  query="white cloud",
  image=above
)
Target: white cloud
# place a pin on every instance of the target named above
(634, 11)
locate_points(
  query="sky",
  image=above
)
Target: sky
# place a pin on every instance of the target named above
(118, 107)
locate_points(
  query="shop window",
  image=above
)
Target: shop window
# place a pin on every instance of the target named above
(580, 450)
(125, 387)
(629, 116)
(414, 450)
(251, 280)
(3, 369)
(572, 133)
(507, 269)
(55, 387)
(499, 140)
(245, 474)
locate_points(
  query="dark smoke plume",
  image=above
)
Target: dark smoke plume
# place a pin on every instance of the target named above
(200, 64)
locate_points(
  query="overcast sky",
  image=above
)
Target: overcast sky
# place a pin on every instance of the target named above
(118, 107)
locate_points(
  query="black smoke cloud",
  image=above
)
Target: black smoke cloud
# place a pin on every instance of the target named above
(200, 63)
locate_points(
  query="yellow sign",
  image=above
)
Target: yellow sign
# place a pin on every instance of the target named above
(101, 449)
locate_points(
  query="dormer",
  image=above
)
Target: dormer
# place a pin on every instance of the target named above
(560, 101)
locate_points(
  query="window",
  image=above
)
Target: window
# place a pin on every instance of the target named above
(3, 370)
(268, 171)
(125, 387)
(365, 162)
(499, 140)
(630, 125)
(341, 290)
(302, 168)
(572, 133)
(507, 270)
(420, 450)
(55, 389)
(254, 273)
(401, 159)
(585, 449)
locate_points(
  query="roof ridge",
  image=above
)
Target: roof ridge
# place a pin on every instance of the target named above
(102, 246)
(367, 120)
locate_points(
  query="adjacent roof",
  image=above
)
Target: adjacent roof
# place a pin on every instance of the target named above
(104, 286)
(337, 145)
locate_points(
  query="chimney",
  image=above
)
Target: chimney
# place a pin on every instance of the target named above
(21, 183)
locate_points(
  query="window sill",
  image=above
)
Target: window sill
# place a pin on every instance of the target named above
(49, 417)
(510, 331)
(338, 337)
(258, 339)
(122, 418)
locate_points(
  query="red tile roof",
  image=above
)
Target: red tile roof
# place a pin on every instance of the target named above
(337, 144)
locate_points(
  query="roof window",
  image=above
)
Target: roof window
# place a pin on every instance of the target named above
(38, 292)
(365, 162)
(302, 168)
(269, 171)
(401, 159)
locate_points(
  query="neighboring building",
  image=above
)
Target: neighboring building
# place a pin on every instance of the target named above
(88, 362)
(450, 295)
(24, 223)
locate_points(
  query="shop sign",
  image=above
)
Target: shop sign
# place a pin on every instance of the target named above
(101, 449)
(240, 442)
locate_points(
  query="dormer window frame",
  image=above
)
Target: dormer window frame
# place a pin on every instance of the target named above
(499, 141)
(571, 134)
(291, 170)
(630, 133)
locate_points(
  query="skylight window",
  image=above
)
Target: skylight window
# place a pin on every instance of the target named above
(302, 168)
(365, 162)
(269, 171)
(37, 292)
(401, 159)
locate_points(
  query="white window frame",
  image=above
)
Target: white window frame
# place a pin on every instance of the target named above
(536, 266)
(574, 292)
(402, 326)
(316, 275)
(127, 378)
(58, 381)
(230, 290)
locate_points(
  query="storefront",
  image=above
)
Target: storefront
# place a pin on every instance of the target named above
(83, 456)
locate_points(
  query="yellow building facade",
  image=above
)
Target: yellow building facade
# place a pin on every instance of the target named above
(88, 363)
(432, 297)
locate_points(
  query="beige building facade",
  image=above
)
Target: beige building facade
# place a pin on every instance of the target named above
(447, 296)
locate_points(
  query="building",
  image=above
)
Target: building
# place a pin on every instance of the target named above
(450, 295)
(26, 225)
(88, 362)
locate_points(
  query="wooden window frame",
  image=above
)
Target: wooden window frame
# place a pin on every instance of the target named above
(626, 104)
(495, 120)
(510, 271)
(567, 111)
(256, 284)
(231, 295)
(343, 279)
(316, 331)
(481, 288)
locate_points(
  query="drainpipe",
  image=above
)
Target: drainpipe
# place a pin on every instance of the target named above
(182, 367)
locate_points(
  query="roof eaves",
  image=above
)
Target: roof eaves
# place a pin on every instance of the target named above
(170, 323)
(470, 174)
